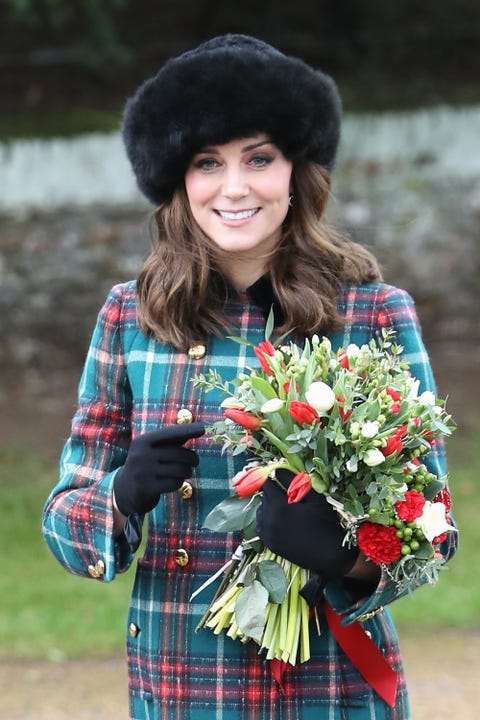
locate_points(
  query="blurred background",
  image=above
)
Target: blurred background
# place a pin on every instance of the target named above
(407, 184)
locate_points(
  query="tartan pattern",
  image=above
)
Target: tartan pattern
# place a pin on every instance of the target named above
(130, 385)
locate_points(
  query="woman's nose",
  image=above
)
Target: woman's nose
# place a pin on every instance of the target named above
(234, 184)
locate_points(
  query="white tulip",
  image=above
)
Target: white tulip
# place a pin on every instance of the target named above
(433, 521)
(271, 406)
(320, 396)
(352, 350)
(373, 457)
(232, 402)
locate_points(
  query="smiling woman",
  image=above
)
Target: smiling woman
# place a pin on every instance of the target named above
(228, 247)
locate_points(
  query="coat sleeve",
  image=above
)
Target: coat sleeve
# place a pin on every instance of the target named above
(78, 514)
(394, 309)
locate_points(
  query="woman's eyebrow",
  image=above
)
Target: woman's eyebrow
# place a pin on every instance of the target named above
(247, 148)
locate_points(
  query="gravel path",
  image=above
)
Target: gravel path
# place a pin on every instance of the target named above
(442, 669)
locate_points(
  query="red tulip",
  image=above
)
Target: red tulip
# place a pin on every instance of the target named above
(303, 413)
(342, 358)
(344, 414)
(243, 418)
(262, 349)
(247, 482)
(299, 487)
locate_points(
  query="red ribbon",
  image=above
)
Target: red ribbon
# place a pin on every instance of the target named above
(363, 653)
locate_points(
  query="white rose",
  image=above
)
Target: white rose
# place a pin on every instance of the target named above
(271, 406)
(320, 396)
(427, 398)
(432, 521)
(373, 457)
(370, 429)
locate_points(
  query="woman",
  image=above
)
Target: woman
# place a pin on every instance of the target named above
(233, 142)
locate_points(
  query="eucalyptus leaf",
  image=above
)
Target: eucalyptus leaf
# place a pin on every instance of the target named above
(249, 575)
(272, 577)
(425, 552)
(250, 608)
(433, 488)
(228, 515)
(250, 514)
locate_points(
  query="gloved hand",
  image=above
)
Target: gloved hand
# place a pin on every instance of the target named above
(307, 533)
(156, 463)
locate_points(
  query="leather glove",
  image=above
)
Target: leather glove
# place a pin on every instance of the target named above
(157, 463)
(307, 533)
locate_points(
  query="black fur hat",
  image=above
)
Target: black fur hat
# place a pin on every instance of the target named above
(227, 88)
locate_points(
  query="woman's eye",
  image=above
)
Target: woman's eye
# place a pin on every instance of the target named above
(206, 164)
(260, 160)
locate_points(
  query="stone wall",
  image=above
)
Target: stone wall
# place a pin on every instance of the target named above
(57, 266)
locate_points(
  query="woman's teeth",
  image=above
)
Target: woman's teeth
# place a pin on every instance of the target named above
(241, 215)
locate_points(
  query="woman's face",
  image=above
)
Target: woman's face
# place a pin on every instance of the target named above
(238, 194)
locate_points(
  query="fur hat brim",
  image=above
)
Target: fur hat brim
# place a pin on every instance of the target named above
(227, 88)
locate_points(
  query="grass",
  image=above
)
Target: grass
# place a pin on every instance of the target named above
(47, 613)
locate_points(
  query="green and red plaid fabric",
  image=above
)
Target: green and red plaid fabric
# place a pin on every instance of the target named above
(132, 384)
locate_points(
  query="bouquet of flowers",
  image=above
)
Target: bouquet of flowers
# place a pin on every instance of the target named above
(351, 425)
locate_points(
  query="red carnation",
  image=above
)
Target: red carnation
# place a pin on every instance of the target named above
(394, 445)
(299, 487)
(379, 542)
(303, 413)
(411, 507)
(394, 394)
(262, 349)
(243, 418)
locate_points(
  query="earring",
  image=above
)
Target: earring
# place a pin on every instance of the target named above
(290, 198)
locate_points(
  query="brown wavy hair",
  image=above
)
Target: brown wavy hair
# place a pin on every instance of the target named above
(181, 290)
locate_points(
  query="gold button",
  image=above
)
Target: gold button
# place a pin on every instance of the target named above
(186, 491)
(197, 352)
(184, 416)
(181, 557)
(133, 629)
(96, 570)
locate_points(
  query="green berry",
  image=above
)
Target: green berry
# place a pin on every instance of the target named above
(406, 549)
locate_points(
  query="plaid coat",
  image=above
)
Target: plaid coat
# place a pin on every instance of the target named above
(131, 384)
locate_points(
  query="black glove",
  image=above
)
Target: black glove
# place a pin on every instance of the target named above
(156, 463)
(307, 533)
